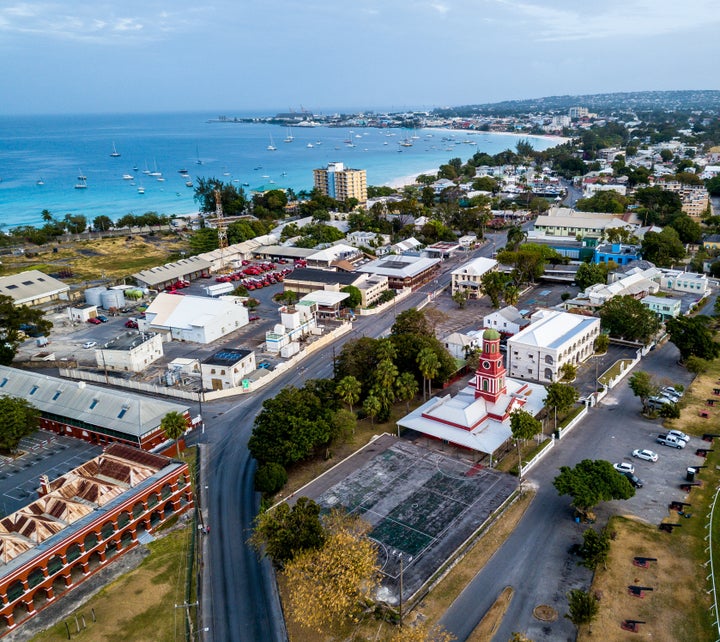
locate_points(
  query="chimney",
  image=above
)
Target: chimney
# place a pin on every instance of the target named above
(44, 486)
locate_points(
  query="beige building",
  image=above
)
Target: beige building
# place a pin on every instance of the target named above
(468, 277)
(130, 352)
(340, 183)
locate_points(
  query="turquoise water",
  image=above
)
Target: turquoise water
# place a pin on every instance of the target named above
(56, 150)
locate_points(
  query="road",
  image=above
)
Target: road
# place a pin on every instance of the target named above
(241, 602)
(534, 560)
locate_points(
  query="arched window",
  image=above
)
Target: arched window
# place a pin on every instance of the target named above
(485, 384)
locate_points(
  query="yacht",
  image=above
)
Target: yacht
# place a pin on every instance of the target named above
(189, 183)
(141, 190)
(41, 182)
(128, 177)
(271, 147)
(309, 145)
(114, 153)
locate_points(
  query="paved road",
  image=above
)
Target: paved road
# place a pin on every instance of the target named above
(534, 560)
(242, 603)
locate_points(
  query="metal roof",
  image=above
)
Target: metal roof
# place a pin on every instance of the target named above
(26, 287)
(173, 271)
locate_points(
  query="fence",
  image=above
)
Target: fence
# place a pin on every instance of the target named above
(709, 549)
(561, 432)
(549, 444)
(400, 296)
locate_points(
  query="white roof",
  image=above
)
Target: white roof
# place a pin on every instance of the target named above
(173, 271)
(509, 313)
(174, 311)
(333, 252)
(399, 266)
(476, 267)
(325, 298)
(30, 285)
(553, 329)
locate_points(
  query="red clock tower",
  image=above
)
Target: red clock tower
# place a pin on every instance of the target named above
(490, 373)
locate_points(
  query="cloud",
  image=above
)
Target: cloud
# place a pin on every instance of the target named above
(440, 7)
(614, 18)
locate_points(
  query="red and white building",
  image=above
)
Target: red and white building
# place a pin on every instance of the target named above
(478, 417)
(80, 522)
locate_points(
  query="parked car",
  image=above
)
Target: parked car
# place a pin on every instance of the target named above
(671, 393)
(94, 321)
(635, 481)
(647, 455)
(671, 440)
(102, 318)
(253, 317)
(131, 323)
(89, 344)
(624, 467)
(679, 434)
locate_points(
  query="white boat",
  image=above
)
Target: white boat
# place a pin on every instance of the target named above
(189, 183)
(405, 143)
(289, 138)
(309, 145)
(155, 172)
(41, 182)
(128, 177)
(271, 147)
(82, 184)
(114, 152)
(141, 190)
(161, 178)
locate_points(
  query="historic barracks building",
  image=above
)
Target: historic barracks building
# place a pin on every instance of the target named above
(80, 522)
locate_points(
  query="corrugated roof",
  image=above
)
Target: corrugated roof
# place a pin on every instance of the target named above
(172, 271)
(30, 285)
(553, 330)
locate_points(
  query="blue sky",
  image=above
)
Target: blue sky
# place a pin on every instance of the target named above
(229, 56)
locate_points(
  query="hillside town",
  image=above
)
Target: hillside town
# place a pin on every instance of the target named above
(453, 334)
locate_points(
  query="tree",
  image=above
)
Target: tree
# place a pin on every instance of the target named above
(603, 201)
(349, 390)
(560, 397)
(688, 229)
(515, 237)
(713, 185)
(428, 364)
(523, 427)
(568, 371)
(626, 317)
(372, 407)
(663, 248)
(595, 548)
(284, 532)
(693, 337)
(589, 274)
(422, 632)
(461, 298)
(602, 343)
(696, 365)
(20, 419)
(75, 223)
(511, 295)
(592, 482)
(643, 386)
(174, 424)
(583, 607)
(342, 425)
(406, 388)
(270, 478)
(494, 284)
(330, 585)
(14, 319)
(383, 387)
(355, 298)
(411, 321)
(102, 223)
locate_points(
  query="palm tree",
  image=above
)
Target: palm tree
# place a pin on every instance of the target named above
(406, 387)
(46, 216)
(511, 294)
(174, 424)
(429, 365)
(349, 389)
(371, 407)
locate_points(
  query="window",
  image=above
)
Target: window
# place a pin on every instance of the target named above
(33, 390)
(122, 412)
(4, 381)
(56, 395)
(93, 403)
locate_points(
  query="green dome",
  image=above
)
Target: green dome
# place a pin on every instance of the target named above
(491, 335)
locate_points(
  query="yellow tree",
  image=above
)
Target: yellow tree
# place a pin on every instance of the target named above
(333, 585)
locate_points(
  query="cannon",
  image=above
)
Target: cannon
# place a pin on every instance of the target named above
(643, 562)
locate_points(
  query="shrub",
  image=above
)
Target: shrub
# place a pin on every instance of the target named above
(270, 478)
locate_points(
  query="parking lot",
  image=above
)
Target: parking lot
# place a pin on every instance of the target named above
(43, 453)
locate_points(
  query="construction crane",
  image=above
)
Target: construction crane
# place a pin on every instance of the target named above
(222, 230)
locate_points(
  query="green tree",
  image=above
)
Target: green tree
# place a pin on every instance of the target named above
(12, 319)
(270, 478)
(372, 407)
(384, 386)
(102, 223)
(174, 425)
(595, 548)
(696, 365)
(75, 223)
(511, 295)
(428, 364)
(568, 371)
(643, 386)
(626, 317)
(20, 419)
(591, 482)
(713, 185)
(523, 427)
(342, 425)
(583, 607)
(355, 298)
(411, 321)
(693, 336)
(663, 248)
(516, 236)
(284, 532)
(603, 201)
(494, 284)
(406, 388)
(560, 397)
(657, 204)
(461, 298)
(688, 229)
(589, 274)
(203, 240)
(349, 390)
(602, 343)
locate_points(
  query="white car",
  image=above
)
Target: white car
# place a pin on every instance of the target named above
(624, 467)
(647, 455)
(679, 434)
(89, 344)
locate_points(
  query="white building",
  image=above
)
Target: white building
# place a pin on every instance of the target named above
(82, 312)
(507, 321)
(194, 318)
(468, 277)
(130, 352)
(296, 322)
(459, 344)
(664, 307)
(679, 281)
(552, 339)
(227, 368)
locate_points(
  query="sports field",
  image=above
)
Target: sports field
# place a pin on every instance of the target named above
(422, 505)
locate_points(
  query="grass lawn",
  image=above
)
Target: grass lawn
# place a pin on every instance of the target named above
(614, 370)
(114, 258)
(678, 607)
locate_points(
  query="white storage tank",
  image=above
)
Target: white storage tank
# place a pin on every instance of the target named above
(92, 295)
(112, 299)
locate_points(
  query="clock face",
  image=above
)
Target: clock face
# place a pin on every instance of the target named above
(486, 365)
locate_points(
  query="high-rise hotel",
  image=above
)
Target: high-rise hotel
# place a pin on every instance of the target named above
(340, 183)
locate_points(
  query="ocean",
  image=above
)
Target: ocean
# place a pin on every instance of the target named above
(43, 157)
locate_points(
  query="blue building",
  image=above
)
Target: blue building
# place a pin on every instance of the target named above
(617, 252)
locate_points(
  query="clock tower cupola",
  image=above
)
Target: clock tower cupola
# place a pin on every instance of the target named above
(490, 373)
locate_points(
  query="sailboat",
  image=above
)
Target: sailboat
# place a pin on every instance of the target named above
(114, 152)
(271, 147)
(155, 172)
(41, 182)
(289, 138)
(141, 190)
(197, 153)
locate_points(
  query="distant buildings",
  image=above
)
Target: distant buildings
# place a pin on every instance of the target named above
(566, 222)
(552, 339)
(32, 287)
(340, 183)
(468, 278)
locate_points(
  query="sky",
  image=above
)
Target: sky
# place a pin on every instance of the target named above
(235, 56)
